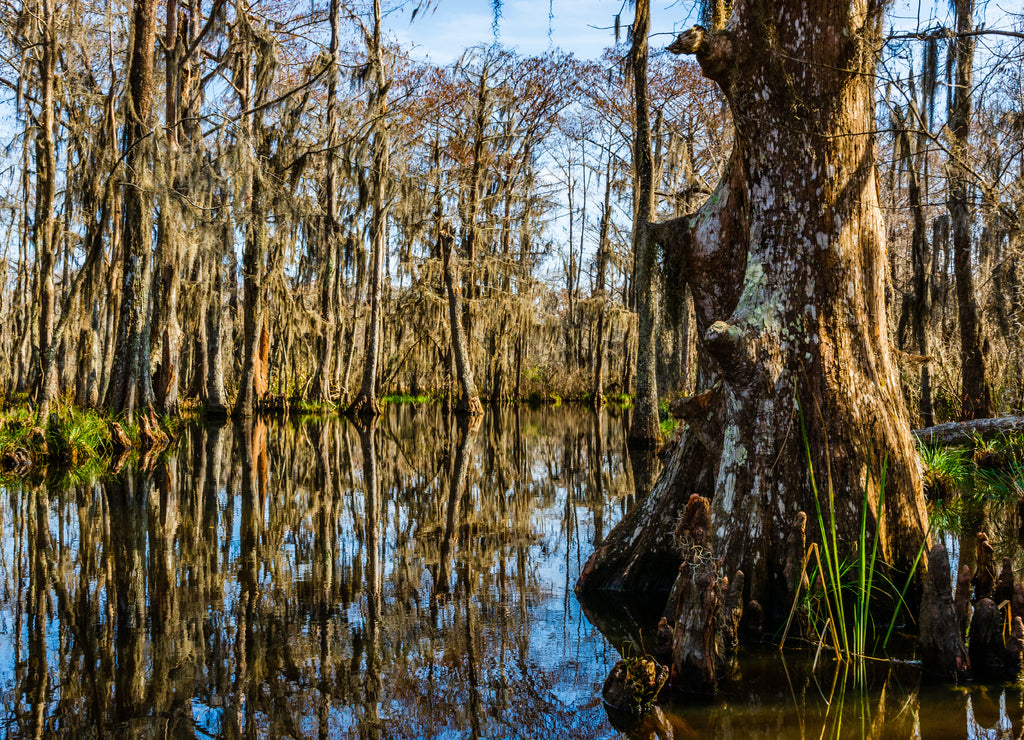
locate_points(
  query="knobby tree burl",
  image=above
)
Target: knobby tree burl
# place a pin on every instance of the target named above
(786, 263)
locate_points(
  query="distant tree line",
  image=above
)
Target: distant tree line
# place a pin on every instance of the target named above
(244, 205)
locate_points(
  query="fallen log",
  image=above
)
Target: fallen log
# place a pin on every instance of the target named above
(965, 432)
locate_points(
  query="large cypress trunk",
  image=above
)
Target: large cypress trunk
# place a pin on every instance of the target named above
(786, 263)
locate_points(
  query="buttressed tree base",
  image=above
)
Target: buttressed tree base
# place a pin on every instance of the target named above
(786, 262)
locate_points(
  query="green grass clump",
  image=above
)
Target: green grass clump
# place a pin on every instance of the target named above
(77, 444)
(76, 435)
(622, 400)
(667, 422)
(842, 590)
(306, 407)
(947, 470)
(1003, 484)
(408, 398)
(77, 440)
(16, 431)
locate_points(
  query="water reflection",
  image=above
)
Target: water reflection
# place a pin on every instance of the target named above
(792, 697)
(410, 578)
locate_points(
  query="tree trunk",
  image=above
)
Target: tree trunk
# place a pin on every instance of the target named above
(916, 305)
(644, 428)
(786, 265)
(975, 389)
(252, 384)
(170, 283)
(328, 236)
(169, 244)
(603, 254)
(365, 403)
(44, 224)
(469, 399)
(214, 380)
(131, 385)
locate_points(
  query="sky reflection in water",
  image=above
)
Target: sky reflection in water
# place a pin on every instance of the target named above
(317, 580)
(415, 580)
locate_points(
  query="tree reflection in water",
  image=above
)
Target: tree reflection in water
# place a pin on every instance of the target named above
(410, 578)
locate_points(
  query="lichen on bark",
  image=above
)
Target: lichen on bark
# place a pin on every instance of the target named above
(786, 265)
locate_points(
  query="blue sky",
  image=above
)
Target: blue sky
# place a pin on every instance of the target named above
(584, 27)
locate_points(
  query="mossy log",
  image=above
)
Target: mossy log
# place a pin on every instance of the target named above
(966, 432)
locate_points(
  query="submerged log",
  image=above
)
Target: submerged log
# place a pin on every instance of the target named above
(942, 648)
(965, 432)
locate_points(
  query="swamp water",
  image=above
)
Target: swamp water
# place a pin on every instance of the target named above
(312, 580)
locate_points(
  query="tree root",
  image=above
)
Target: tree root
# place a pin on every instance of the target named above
(996, 647)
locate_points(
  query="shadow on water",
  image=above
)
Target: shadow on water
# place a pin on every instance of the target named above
(408, 578)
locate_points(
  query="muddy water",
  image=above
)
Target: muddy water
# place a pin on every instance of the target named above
(316, 579)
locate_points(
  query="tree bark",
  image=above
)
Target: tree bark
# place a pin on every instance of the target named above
(131, 387)
(365, 403)
(45, 225)
(916, 308)
(644, 428)
(214, 380)
(328, 236)
(603, 254)
(976, 393)
(786, 265)
(469, 399)
(253, 89)
(169, 244)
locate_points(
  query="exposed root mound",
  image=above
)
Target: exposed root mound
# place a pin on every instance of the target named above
(995, 650)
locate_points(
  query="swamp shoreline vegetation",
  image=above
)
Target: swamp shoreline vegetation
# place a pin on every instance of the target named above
(256, 216)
